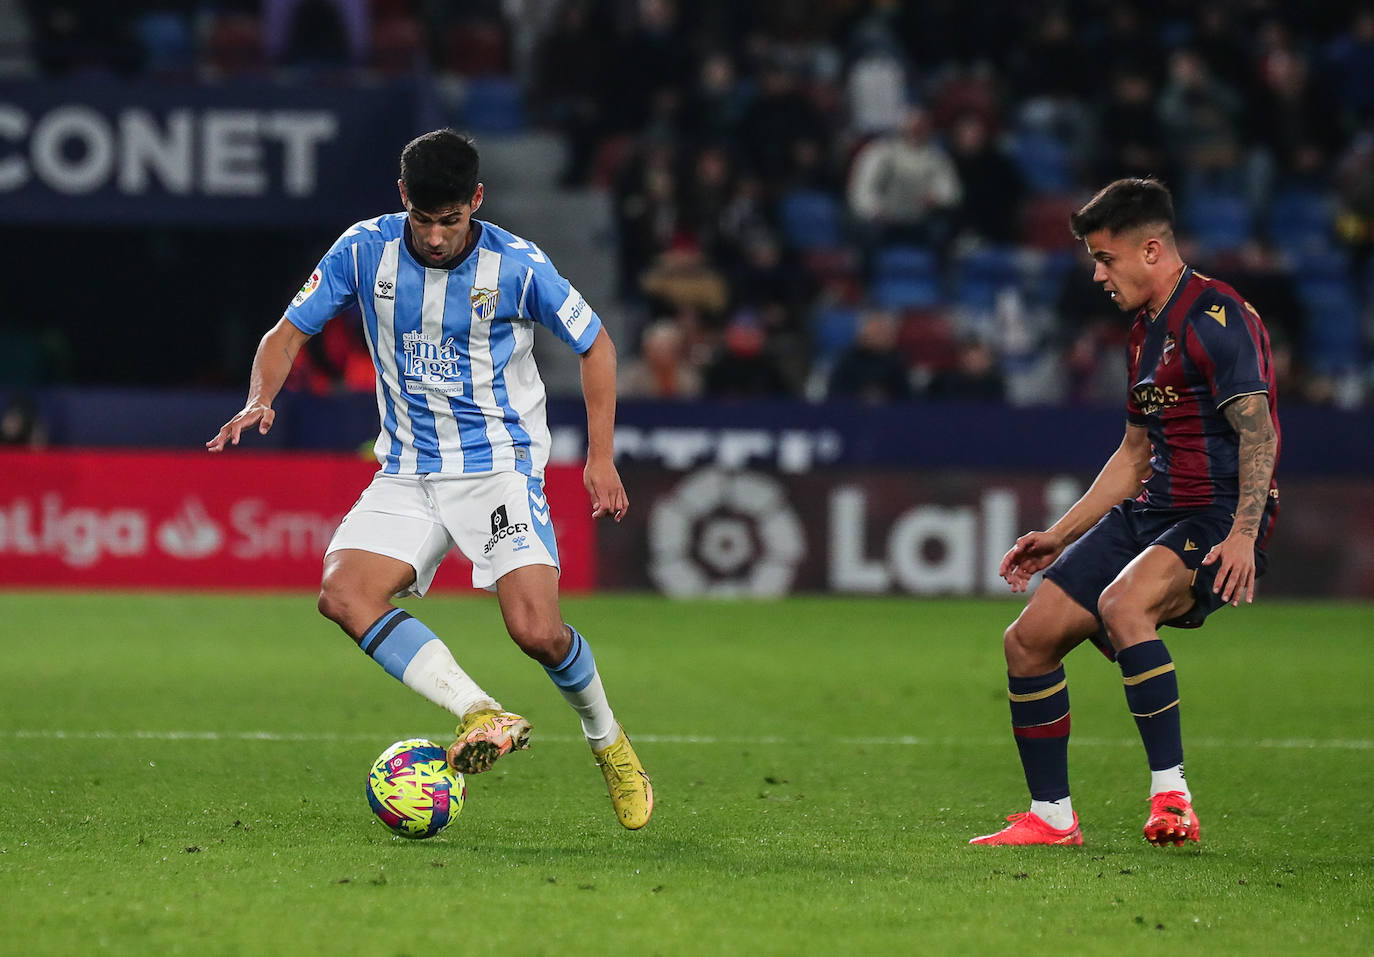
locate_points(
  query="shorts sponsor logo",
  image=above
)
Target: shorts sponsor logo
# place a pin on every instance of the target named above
(502, 527)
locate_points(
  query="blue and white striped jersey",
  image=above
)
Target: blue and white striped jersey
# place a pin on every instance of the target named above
(457, 385)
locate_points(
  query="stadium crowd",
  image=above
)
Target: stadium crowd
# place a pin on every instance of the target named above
(867, 197)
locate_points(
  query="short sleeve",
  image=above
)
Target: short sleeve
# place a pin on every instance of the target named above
(553, 302)
(326, 293)
(1224, 349)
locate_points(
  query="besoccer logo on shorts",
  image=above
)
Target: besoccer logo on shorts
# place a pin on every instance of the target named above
(502, 527)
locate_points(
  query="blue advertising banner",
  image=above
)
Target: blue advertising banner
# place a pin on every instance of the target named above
(130, 153)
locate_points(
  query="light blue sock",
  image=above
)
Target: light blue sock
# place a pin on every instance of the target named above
(577, 679)
(413, 654)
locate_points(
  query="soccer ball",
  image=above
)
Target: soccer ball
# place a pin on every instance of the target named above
(413, 791)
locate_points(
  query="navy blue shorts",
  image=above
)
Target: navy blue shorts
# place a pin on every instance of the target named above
(1092, 563)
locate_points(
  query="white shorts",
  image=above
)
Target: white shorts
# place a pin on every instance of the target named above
(500, 521)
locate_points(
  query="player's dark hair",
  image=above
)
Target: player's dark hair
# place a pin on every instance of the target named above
(1124, 205)
(439, 169)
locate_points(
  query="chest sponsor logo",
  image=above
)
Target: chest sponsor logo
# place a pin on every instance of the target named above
(308, 289)
(431, 366)
(484, 303)
(1151, 398)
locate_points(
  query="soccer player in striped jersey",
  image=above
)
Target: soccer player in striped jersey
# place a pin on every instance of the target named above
(450, 304)
(1173, 527)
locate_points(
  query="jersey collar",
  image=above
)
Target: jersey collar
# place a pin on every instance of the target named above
(1179, 283)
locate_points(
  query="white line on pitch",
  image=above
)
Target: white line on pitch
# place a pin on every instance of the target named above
(1287, 744)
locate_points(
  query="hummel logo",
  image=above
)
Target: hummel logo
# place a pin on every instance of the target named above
(1218, 312)
(1188, 546)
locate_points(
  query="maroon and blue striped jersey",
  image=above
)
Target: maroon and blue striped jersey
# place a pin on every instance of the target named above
(1205, 348)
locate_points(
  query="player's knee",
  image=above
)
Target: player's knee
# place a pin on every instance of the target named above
(1024, 653)
(1118, 611)
(542, 638)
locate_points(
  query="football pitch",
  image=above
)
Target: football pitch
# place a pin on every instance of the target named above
(184, 774)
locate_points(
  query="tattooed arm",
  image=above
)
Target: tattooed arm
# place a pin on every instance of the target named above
(1235, 557)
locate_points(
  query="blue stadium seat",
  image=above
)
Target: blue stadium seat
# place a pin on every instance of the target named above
(811, 219)
(493, 104)
(1044, 161)
(1332, 337)
(1301, 221)
(982, 273)
(167, 42)
(833, 329)
(1218, 221)
(906, 277)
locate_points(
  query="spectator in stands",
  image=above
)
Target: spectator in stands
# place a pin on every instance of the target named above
(742, 366)
(1130, 136)
(21, 425)
(1202, 122)
(871, 368)
(904, 188)
(1298, 128)
(316, 33)
(664, 368)
(1350, 61)
(973, 376)
(572, 85)
(780, 117)
(991, 182)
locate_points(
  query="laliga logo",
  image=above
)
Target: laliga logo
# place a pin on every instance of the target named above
(191, 534)
(725, 534)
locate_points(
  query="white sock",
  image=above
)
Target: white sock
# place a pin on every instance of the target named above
(434, 674)
(1170, 779)
(1057, 814)
(598, 722)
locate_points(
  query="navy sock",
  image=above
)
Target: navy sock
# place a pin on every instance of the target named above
(1152, 695)
(1040, 721)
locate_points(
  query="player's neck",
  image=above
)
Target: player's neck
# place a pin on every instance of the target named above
(1166, 289)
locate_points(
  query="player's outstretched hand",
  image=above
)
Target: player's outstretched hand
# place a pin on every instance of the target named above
(1234, 557)
(260, 415)
(607, 491)
(1032, 552)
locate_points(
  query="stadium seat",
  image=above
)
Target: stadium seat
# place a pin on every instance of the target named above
(927, 340)
(1301, 221)
(477, 48)
(235, 46)
(167, 42)
(1219, 222)
(398, 46)
(906, 277)
(811, 219)
(833, 329)
(982, 273)
(493, 104)
(1044, 161)
(1045, 222)
(1332, 337)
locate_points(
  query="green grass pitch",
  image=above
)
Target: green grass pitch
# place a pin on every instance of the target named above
(184, 774)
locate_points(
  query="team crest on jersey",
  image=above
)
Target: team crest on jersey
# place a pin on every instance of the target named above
(308, 289)
(484, 303)
(1169, 344)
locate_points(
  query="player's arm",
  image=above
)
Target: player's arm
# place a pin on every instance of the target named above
(1119, 479)
(1235, 555)
(598, 392)
(271, 364)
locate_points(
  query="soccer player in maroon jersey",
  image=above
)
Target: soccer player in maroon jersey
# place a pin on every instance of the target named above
(1173, 527)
